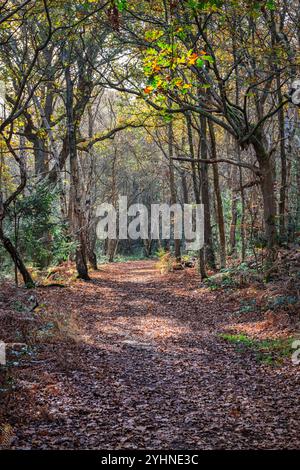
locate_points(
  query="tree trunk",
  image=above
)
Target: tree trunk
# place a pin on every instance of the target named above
(193, 162)
(209, 252)
(28, 281)
(243, 217)
(148, 247)
(220, 212)
(201, 254)
(233, 223)
(283, 161)
(173, 191)
(89, 209)
(78, 218)
(268, 193)
(91, 255)
(112, 247)
(185, 192)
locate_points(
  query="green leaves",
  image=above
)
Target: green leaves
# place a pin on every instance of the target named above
(258, 7)
(212, 5)
(270, 5)
(164, 61)
(121, 5)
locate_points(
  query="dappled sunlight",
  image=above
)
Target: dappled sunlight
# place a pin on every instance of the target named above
(149, 225)
(159, 329)
(148, 327)
(264, 329)
(132, 346)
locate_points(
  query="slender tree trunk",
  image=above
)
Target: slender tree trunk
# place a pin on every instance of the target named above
(147, 247)
(91, 241)
(111, 249)
(15, 256)
(220, 212)
(283, 162)
(185, 192)
(209, 251)
(268, 194)
(173, 191)
(78, 218)
(276, 27)
(238, 149)
(234, 213)
(298, 195)
(243, 216)
(194, 161)
(233, 223)
(201, 254)
(112, 243)
(91, 236)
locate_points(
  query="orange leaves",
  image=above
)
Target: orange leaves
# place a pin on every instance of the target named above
(148, 89)
(191, 60)
(155, 66)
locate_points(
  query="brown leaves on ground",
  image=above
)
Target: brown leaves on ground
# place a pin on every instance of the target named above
(133, 359)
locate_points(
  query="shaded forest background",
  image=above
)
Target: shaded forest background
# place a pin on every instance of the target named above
(177, 102)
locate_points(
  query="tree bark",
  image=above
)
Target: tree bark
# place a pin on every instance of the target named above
(209, 251)
(91, 255)
(243, 216)
(78, 218)
(283, 162)
(220, 212)
(233, 223)
(15, 256)
(173, 191)
(193, 160)
(268, 193)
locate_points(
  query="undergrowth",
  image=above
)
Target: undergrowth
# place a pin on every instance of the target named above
(268, 351)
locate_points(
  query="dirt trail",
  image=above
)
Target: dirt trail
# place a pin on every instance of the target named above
(148, 370)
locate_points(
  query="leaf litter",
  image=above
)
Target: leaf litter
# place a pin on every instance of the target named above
(134, 360)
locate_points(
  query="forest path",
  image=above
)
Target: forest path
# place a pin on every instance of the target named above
(149, 370)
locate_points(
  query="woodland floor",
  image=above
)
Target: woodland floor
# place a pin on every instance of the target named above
(140, 364)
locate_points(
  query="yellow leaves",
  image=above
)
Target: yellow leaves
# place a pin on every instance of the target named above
(180, 60)
(2, 144)
(6, 175)
(156, 67)
(41, 133)
(153, 35)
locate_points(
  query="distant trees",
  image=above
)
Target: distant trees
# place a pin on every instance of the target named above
(36, 55)
(232, 64)
(162, 101)
(20, 54)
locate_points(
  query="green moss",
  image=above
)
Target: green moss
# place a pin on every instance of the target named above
(267, 351)
(237, 339)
